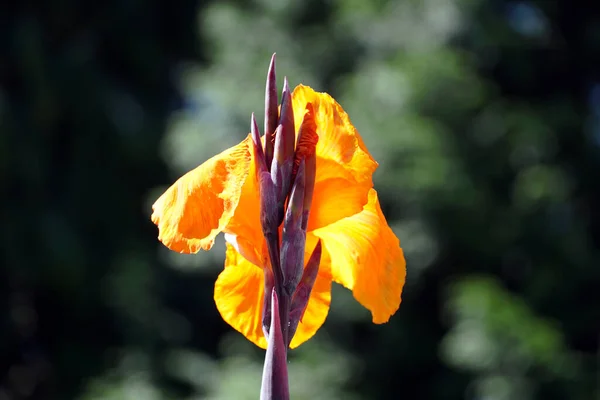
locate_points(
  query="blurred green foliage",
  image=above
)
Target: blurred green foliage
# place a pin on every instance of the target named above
(483, 114)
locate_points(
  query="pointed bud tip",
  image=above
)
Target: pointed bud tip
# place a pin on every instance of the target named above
(315, 257)
(271, 71)
(274, 307)
(286, 85)
(254, 126)
(255, 132)
(260, 155)
(271, 111)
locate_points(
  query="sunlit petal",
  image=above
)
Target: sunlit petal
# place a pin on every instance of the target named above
(201, 203)
(244, 229)
(334, 199)
(239, 292)
(339, 141)
(344, 166)
(366, 258)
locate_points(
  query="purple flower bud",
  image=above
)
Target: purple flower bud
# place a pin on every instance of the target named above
(269, 220)
(271, 112)
(267, 190)
(258, 149)
(269, 213)
(294, 237)
(306, 151)
(283, 152)
(275, 376)
(286, 121)
(303, 290)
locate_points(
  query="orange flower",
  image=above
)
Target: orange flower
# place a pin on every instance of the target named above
(360, 251)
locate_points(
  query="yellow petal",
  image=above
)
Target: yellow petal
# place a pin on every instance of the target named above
(339, 141)
(334, 199)
(244, 229)
(239, 292)
(200, 204)
(344, 165)
(366, 258)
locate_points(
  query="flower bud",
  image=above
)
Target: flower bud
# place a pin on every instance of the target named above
(303, 290)
(268, 194)
(283, 152)
(271, 112)
(294, 237)
(306, 152)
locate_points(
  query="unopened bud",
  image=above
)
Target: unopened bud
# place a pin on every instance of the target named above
(294, 237)
(269, 213)
(259, 158)
(306, 151)
(283, 153)
(303, 290)
(271, 112)
(268, 195)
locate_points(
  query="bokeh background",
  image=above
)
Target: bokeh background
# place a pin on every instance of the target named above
(483, 115)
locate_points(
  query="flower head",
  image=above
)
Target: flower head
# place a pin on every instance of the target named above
(312, 169)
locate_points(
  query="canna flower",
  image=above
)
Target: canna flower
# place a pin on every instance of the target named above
(357, 248)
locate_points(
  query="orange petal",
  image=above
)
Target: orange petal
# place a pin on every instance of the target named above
(335, 199)
(239, 292)
(366, 258)
(344, 165)
(244, 229)
(200, 204)
(339, 141)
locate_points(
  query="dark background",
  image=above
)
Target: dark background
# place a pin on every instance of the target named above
(484, 116)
